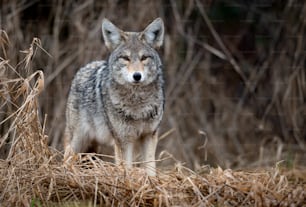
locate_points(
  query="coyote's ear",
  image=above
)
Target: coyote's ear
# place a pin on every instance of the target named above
(154, 33)
(111, 34)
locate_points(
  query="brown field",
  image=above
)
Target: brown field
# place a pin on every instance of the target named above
(234, 129)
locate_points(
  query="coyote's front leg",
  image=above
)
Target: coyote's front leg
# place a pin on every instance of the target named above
(148, 153)
(124, 152)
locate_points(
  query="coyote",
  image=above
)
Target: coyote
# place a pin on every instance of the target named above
(119, 101)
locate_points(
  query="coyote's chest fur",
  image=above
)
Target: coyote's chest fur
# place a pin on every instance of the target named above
(135, 103)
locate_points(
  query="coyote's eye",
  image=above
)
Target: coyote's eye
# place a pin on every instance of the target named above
(144, 57)
(126, 58)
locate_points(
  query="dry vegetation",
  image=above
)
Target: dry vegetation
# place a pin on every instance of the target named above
(236, 98)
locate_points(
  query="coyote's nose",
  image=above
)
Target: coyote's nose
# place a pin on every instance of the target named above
(137, 76)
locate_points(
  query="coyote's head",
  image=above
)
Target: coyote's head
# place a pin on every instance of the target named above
(133, 58)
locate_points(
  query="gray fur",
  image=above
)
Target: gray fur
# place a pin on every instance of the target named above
(109, 105)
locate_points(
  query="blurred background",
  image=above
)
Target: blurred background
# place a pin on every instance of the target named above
(235, 72)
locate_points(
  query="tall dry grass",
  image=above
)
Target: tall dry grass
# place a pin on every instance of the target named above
(235, 72)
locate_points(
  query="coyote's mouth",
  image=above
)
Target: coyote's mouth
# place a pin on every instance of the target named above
(137, 83)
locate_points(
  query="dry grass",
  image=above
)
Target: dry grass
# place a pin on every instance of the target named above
(239, 78)
(44, 180)
(33, 174)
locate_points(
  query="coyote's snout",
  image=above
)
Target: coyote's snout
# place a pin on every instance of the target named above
(120, 100)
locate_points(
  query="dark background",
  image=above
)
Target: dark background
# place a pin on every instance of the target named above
(235, 72)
